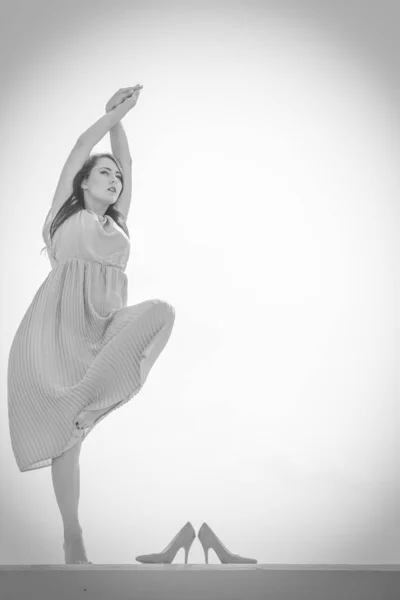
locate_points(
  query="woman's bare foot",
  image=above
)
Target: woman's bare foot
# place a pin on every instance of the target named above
(75, 551)
(88, 417)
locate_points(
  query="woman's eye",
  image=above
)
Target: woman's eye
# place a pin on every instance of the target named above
(106, 172)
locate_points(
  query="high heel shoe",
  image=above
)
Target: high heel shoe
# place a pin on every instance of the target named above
(183, 539)
(208, 540)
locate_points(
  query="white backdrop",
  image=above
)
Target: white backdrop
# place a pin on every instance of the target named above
(266, 154)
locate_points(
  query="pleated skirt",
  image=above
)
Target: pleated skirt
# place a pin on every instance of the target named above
(78, 347)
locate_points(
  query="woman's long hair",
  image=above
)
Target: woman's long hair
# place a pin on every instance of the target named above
(75, 202)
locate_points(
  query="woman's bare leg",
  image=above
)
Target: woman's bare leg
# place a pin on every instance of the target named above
(65, 473)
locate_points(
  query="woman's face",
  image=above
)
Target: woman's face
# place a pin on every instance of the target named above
(104, 175)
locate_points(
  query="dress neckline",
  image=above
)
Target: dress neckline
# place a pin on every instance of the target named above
(99, 217)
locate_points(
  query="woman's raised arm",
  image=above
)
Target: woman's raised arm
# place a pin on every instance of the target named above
(81, 151)
(98, 130)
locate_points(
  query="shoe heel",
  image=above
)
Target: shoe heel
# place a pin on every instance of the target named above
(206, 548)
(187, 549)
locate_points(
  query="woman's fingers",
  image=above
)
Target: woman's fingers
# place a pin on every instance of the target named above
(128, 89)
(124, 94)
(133, 91)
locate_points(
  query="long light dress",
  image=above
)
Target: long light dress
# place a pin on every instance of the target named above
(79, 346)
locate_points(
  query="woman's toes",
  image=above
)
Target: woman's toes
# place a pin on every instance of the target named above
(88, 418)
(80, 421)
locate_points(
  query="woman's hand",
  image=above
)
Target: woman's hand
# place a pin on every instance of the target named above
(123, 94)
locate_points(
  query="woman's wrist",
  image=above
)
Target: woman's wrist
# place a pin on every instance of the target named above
(97, 131)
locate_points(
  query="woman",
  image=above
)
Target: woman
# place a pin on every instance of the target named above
(80, 352)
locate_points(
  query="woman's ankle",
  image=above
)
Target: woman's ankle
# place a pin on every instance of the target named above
(72, 533)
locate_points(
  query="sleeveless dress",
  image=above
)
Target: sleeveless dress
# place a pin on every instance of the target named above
(79, 346)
